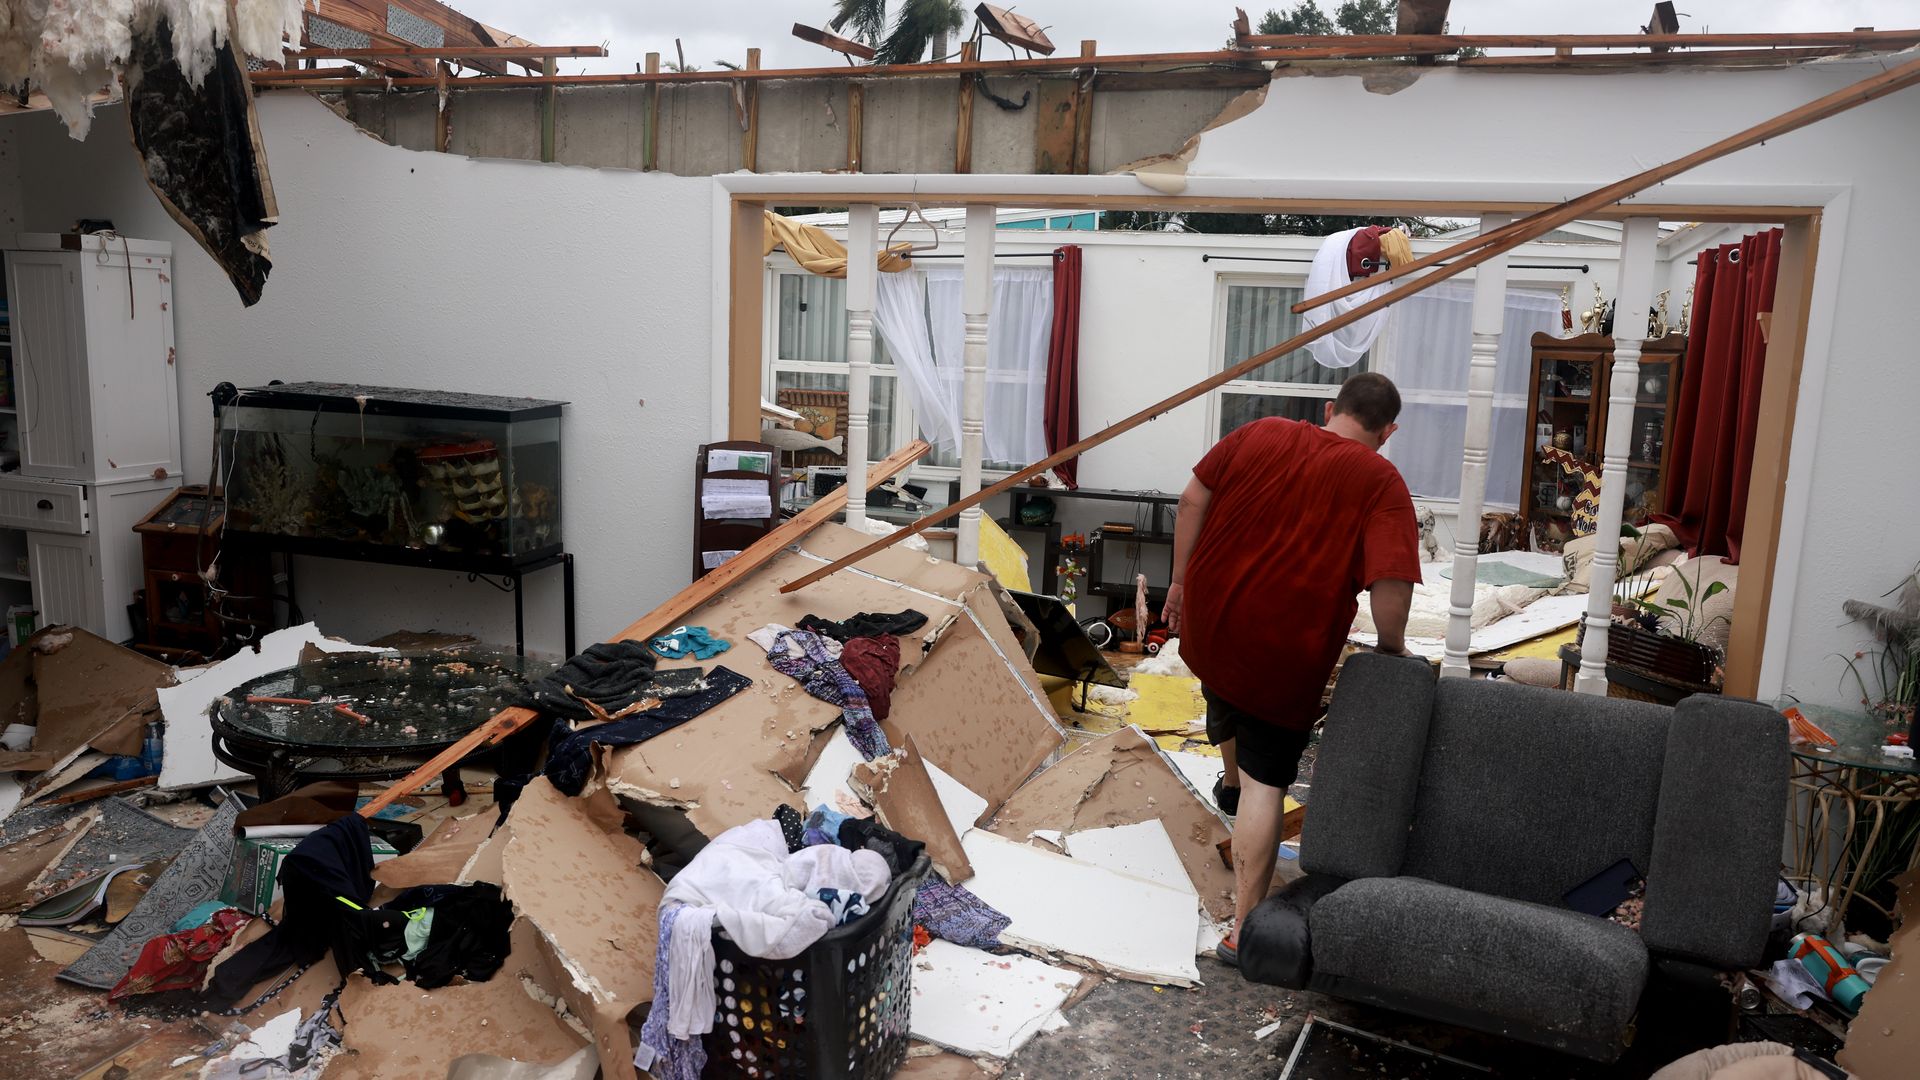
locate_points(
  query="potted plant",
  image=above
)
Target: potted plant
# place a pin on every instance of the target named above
(1889, 676)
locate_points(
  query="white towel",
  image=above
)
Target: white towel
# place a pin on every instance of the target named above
(1346, 346)
(690, 974)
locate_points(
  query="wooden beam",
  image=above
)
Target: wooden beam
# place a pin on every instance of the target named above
(1083, 114)
(1772, 452)
(750, 138)
(665, 617)
(1055, 118)
(746, 270)
(1496, 243)
(1571, 61)
(844, 46)
(1409, 44)
(856, 105)
(963, 127)
(469, 52)
(650, 158)
(1878, 86)
(443, 111)
(549, 114)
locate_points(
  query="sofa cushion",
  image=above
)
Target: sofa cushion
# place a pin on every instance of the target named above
(1367, 769)
(1548, 969)
(1716, 843)
(1526, 793)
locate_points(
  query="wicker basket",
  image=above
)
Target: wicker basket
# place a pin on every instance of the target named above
(1631, 646)
(1634, 684)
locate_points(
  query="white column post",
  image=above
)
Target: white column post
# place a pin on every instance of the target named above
(1489, 315)
(1638, 242)
(976, 300)
(863, 226)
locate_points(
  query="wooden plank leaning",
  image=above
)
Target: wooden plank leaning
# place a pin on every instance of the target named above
(1887, 82)
(665, 617)
(1466, 255)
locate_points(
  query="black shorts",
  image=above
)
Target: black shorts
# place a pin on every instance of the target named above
(1267, 752)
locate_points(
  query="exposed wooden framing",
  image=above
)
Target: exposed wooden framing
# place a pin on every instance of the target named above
(750, 138)
(852, 50)
(1773, 447)
(963, 128)
(1737, 213)
(856, 111)
(443, 111)
(1489, 316)
(1726, 57)
(1083, 113)
(549, 114)
(1639, 249)
(421, 52)
(1408, 44)
(660, 619)
(1056, 132)
(1887, 82)
(745, 269)
(650, 159)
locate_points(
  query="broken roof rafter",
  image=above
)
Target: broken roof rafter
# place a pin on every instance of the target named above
(1363, 45)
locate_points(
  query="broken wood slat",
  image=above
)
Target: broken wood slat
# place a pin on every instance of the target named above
(443, 112)
(422, 52)
(666, 616)
(963, 129)
(1083, 123)
(856, 103)
(651, 160)
(1407, 44)
(1870, 89)
(1464, 256)
(1055, 134)
(101, 792)
(844, 46)
(750, 138)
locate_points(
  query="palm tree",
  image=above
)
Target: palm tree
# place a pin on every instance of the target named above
(918, 24)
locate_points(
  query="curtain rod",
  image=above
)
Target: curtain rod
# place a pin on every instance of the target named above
(1001, 255)
(1209, 257)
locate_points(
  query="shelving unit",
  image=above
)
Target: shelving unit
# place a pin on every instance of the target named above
(1569, 382)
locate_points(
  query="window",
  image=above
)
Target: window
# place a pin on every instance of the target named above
(1256, 316)
(810, 353)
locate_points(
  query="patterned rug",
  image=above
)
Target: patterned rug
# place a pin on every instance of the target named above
(196, 875)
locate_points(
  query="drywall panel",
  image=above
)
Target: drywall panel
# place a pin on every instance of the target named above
(1142, 850)
(1123, 925)
(981, 1004)
(428, 270)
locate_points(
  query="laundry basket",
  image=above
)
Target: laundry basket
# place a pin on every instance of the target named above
(839, 1009)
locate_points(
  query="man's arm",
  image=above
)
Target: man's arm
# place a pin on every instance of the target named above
(1186, 532)
(1391, 599)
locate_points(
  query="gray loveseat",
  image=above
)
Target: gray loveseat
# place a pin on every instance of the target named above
(1449, 820)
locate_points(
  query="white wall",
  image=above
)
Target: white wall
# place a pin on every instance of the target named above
(411, 269)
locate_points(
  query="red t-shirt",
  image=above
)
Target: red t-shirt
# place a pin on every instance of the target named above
(1300, 522)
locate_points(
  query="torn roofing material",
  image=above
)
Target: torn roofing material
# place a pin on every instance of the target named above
(1124, 779)
(965, 692)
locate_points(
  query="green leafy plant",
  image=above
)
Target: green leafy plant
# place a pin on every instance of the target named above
(1685, 617)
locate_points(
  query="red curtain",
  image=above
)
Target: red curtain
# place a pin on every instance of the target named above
(1718, 410)
(1063, 361)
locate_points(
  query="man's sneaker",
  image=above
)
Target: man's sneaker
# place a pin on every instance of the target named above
(1228, 952)
(1226, 798)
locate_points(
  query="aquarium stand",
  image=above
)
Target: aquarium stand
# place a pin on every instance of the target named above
(511, 569)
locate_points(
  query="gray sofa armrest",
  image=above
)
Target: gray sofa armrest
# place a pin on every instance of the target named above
(1718, 832)
(1367, 771)
(1276, 946)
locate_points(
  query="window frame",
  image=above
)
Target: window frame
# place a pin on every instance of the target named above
(1223, 282)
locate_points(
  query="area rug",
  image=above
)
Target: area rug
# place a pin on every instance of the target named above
(195, 876)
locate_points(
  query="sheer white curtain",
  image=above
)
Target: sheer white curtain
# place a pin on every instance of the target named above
(1019, 324)
(1425, 351)
(900, 315)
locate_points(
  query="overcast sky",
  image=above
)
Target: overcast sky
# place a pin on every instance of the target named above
(724, 29)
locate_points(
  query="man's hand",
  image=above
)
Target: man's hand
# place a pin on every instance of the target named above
(1170, 611)
(1391, 601)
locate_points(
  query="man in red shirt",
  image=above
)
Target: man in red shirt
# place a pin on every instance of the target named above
(1280, 529)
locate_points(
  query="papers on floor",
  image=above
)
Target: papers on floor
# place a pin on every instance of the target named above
(1078, 910)
(980, 1004)
(189, 760)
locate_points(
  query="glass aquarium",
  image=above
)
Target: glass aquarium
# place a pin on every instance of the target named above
(371, 467)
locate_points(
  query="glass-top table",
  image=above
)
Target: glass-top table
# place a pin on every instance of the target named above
(363, 715)
(1851, 805)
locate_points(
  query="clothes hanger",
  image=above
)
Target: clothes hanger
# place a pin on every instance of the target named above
(913, 211)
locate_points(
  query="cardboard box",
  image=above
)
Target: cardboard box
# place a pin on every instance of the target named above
(253, 874)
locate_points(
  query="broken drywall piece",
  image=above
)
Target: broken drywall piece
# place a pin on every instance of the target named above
(1123, 779)
(964, 808)
(1124, 925)
(1201, 771)
(189, 760)
(827, 782)
(270, 1040)
(1143, 850)
(1881, 1039)
(10, 792)
(562, 850)
(978, 1003)
(441, 857)
(904, 799)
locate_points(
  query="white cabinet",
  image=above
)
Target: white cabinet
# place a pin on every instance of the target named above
(98, 422)
(93, 358)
